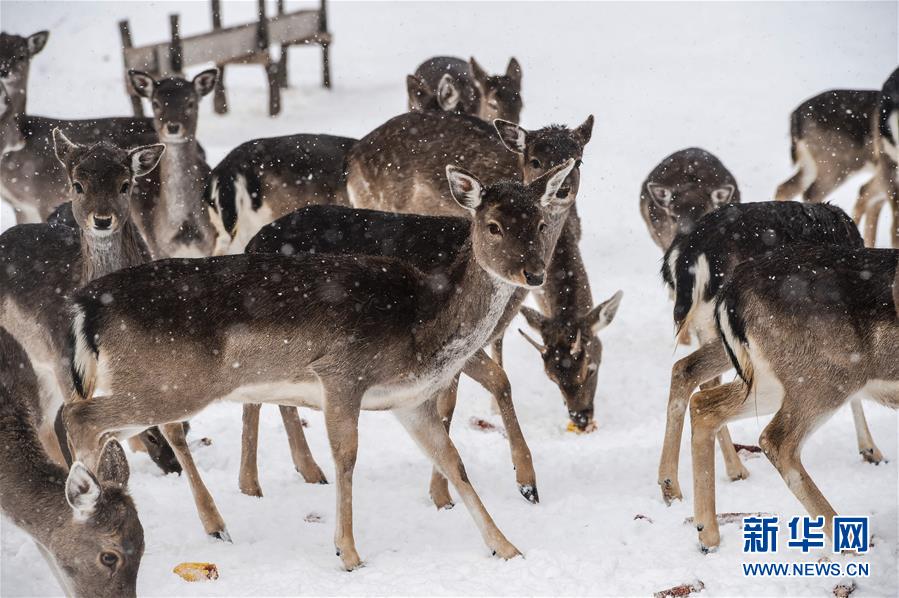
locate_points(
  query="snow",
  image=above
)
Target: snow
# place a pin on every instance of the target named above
(658, 77)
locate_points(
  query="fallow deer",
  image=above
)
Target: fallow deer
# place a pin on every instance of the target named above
(339, 333)
(444, 83)
(11, 138)
(500, 94)
(681, 189)
(807, 328)
(16, 52)
(41, 265)
(171, 213)
(84, 525)
(696, 266)
(261, 180)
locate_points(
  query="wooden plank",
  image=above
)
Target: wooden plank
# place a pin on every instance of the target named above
(293, 28)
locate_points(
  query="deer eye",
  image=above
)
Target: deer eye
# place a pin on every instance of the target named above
(535, 162)
(125, 187)
(77, 187)
(191, 104)
(109, 559)
(494, 229)
(577, 163)
(542, 227)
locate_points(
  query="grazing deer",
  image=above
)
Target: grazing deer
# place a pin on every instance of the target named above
(429, 243)
(338, 333)
(11, 138)
(444, 83)
(41, 265)
(806, 327)
(261, 180)
(681, 189)
(696, 266)
(16, 53)
(171, 213)
(84, 525)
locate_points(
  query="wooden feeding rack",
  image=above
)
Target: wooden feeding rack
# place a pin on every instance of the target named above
(248, 43)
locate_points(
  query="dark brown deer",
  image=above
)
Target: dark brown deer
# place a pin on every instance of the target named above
(41, 265)
(696, 266)
(16, 52)
(807, 328)
(375, 333)
(261, 180)
(84, 525)
(11, 138)
(444, 83)
(681, 189)
(500, 94)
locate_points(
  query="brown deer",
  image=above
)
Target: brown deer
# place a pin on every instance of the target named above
(500, 94)
(263, 179)
(84, 525)
(16, 52)
(11, 138)
(444, 83)
(681, 189)
(41, 265)
(374, 333)
(821, 309)
(696, 266)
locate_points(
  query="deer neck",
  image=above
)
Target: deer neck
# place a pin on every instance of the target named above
(182, 221)
(103, 255)
(566, 293)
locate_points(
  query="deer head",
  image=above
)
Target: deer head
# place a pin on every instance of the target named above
(16, 53)
(11, 138)
(174, 101)
(500, 94)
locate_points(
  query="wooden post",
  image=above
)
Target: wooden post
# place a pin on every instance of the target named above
(326, 58)
(125, 32)
(176, 62)
(271, 68)
(219, 99)
(282, 61)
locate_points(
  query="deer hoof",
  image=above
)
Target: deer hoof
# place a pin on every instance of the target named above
(251, 489)
(222, 535)
(529, 493)
(670, 491)
(506, 552)
(872, 455)
(350, 559)
(740, 474)
(316, 477)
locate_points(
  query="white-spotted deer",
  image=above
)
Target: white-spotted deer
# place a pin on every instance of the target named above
(338, 333)
(263, 179)
(85, 525)
(807, 328)
(696, 266)
(42, 265)
(681, 189)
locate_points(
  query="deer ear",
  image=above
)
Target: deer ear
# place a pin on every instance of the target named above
(465, 187)
(144, 159)
(512, 136)
(534, 318)
(418, 91)
(113, 467)
(553, 180)
(479, 74)
(65, 149)
(513, 72)
(37, 41)
(142, 83)
(204, 83)
(448, 95)
(82, 491)
(585, 131)
(602, 315)
(723, 194)
(660, 194)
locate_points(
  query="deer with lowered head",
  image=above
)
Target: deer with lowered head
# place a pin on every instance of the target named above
(338, 333)
(696, 266)
(84, 524)
(807, 328)
(41, 265)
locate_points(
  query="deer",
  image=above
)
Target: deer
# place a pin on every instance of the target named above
(805, 308)
(263, 179)
(171, 214)
(16, 52)
(681, 189)
(11, 138)
(394, 171)
(84, 524)
(43, 264)
(500, 94)
(696, 266)
(375, 333)
(429, 243)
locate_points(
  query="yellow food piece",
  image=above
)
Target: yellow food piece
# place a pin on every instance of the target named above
(591, 427)
(197, 571)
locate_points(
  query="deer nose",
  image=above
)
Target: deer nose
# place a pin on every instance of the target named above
(173, 128)
(581, 419)
(534, 277)
(102, 222)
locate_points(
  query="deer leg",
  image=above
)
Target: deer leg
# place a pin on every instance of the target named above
(341, 409)
(248, 478)
(703, 364)
(872, 219)
(424, 425)
(732, 463)
(302, 457)
(446, 404)
(866, 447)
(209, 514)
(496, 352)
(827, 179)
(493, 377)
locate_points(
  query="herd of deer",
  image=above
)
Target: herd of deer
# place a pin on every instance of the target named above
(141, 285)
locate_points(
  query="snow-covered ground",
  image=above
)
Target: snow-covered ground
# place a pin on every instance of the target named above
(658, 77)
